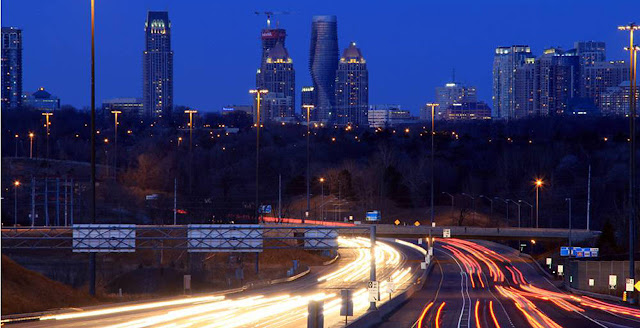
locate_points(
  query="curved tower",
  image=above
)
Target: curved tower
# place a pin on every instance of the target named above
(323, 63)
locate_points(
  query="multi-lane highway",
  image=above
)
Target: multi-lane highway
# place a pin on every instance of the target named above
(484, 284)
(283, 305)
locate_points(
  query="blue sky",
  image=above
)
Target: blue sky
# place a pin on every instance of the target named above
(410, 46)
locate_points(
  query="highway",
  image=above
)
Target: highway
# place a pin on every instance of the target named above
(282, 305)
(484, 284)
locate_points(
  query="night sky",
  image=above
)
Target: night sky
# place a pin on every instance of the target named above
(410, 47)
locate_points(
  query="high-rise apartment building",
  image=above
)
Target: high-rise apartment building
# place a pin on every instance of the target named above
(525, 88)
(590, 53)
(468, 110)
(323, 64)
(269, 37)
(278, 76)
(505, 62)
(603, 75)
(615, 100)
(352, 88)
(11, 67)
(453, 93)
(157, 64)
(556, 81)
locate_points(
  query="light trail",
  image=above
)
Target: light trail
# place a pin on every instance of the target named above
(476, 314)
(493, 315)
(438, 314)
(423, 314)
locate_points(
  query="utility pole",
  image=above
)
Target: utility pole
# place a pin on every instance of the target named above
(372, 272)
(115, 139)
(92, 255)
(31, 135)
(632, 27)
(433, 132)
(46, 201)
(308, 108)
(589, 198)
(259, 92)
(58, 201)
(33, 201)
(538, 184)
(175, 200)
(190, 112)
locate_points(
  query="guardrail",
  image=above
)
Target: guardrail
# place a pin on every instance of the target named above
(480, 232)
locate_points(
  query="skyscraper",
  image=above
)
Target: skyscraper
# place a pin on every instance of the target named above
(323, 63)
(603, 75)
(525, 88)
(556, 81)
(590, 53)
(452, 93)
(279, 78)
(270, 37)
(505, 62)
(352, 88)
(157, 63)
(308, 98)
(11, 67)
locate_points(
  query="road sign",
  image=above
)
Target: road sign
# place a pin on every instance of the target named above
(549, 262)
(265, 209)
(417, 223)
(629, 285)
(592, 282)
(391, 286)
(613, 281)
(396, 222)
(446, 233)
(321, 238)
(374, 291)
(346, 309)
(224, 238)
(637, 285)
(104, 238)
(579, 251)
(373, 216)
(560, 269)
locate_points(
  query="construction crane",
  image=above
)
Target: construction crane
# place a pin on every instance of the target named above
(271, 13)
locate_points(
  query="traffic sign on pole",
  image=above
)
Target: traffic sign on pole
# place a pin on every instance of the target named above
(374, 291)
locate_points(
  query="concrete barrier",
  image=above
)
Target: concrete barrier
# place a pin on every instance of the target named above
(371, 319)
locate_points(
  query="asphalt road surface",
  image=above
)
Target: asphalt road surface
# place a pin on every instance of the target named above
(484, 284)
(282, 305)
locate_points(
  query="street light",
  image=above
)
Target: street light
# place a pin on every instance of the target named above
(16, 184)
(433, 108)
(538, 183)
(46, 115)
(490, 202)
(632, 27)
(31, 135)
(308, 108)
(517, 204)
(473, 203)
(506, 201)
(322, 197)
(16, 138)
(569, 201)
(190, 112)
(115, 140)
(531, 214)
(92, 256)
(259, 92)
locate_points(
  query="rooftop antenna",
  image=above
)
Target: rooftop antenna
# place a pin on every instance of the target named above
(272, 13)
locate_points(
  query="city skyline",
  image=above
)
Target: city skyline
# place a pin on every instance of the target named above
(119, 64)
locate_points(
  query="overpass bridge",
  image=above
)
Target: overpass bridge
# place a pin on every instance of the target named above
(498, 233)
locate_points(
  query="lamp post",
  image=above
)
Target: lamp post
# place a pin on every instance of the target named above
(47, 123)
(531, 214)
(259, 92)
(569, 201)
(473, 203)
(308, 108)
(31, 135)
(190, 112)
(92, 255)
(538, 184)
(517, 204)
(16, 184)
(115, 145)
(106, 155)
(322, 198)
(433, 132)
(16, 138)
(490, 205)
(506, 201)
(632, 27)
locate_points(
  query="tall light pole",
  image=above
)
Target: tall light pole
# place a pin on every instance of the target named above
(433, 132)
(31, 135)
(519, 212)
(115, 140)
(538, 184)
(16, 184)
(322, 198)
(259, 92)
(190, 112)
(473, 203)
(16, 137)
(531, 214)
(569, 201)
(308, 108)
(92, 255)
(632, 27)
(506, 201)
(47, 124)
